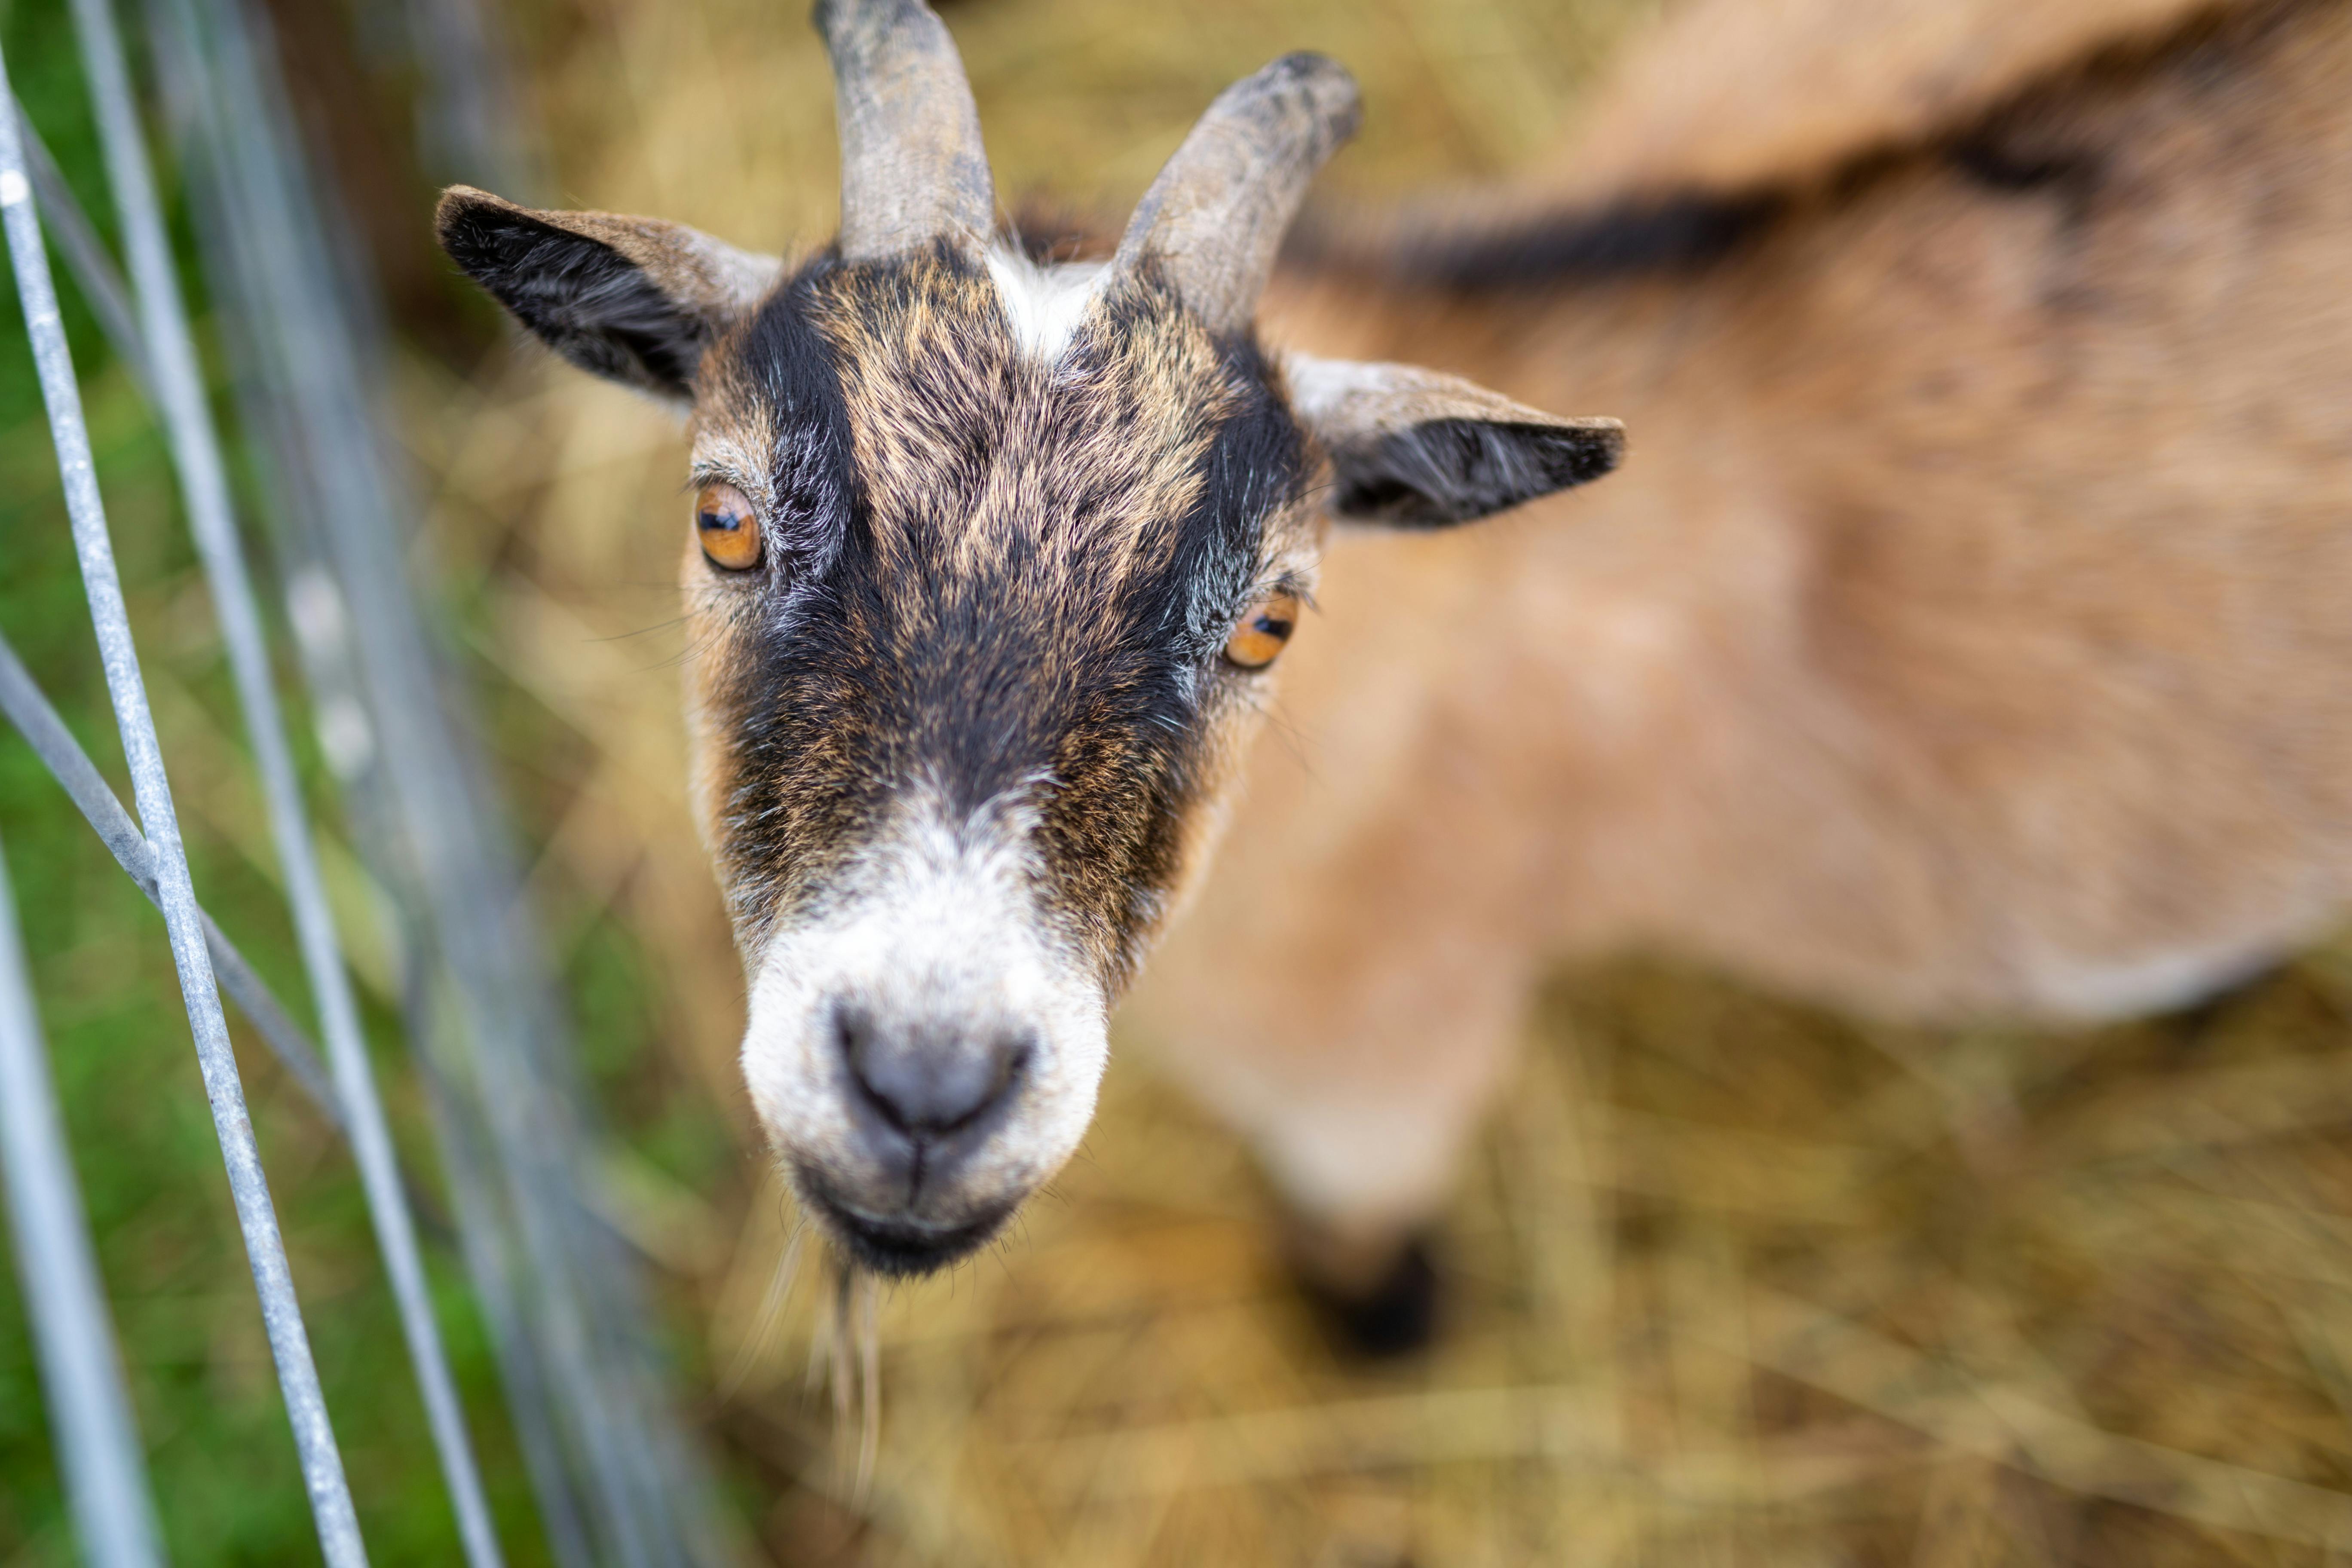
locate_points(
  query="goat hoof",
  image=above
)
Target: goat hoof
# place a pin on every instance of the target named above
(1384, 1316)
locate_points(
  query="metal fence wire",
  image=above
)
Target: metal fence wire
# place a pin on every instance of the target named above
(616, 1475)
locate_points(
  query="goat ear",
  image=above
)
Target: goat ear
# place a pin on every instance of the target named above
(1414, 448)
(633, 299)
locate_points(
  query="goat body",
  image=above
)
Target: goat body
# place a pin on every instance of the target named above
(1965, 635)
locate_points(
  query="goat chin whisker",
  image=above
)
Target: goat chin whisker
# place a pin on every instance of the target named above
(869, 1357)
(839, 1330)
(821, 1338)
(771, 1314)
(846, 1352)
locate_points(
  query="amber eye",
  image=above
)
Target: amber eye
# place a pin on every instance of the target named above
(1263, 631)
(730, 529)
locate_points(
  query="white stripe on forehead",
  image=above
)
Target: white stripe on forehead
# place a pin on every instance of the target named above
(1044, 304)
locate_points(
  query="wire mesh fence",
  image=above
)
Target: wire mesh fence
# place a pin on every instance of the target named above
(615, 1476)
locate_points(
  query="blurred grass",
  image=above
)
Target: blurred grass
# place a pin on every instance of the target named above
(1737, 1282)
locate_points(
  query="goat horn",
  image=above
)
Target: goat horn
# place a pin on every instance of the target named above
(1214, 217)
(912, 167)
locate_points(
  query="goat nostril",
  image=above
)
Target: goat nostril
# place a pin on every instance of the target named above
(922, 1082)
(850, 1030)
(1012, 1063)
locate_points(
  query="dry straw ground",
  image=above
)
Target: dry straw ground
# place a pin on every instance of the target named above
(1736, 1282)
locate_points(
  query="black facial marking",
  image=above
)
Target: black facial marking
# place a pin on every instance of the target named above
(1113, 833)
(812, 476)
(1005, 614)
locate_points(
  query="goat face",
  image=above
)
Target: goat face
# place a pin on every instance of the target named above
(989, 567)
(962, 720)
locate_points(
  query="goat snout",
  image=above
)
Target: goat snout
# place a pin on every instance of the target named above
(923, 1056)
(925, 1101)
(931, 1085)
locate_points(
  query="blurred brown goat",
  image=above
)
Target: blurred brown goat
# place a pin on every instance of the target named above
(1969, 628)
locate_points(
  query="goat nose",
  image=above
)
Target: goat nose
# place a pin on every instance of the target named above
(931, 1081)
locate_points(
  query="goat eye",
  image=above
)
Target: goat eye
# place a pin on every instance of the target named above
(728, 527)
(1263, 631)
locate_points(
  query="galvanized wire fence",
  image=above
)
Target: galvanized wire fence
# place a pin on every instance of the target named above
(615, 1476)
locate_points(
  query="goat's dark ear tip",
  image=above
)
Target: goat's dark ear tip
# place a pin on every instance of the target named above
(1599, 446)
(1308, 63)
(456, 201)
(461, 215)
(1574, 452)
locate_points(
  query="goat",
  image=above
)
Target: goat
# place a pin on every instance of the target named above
(1967, 639)
(1963, 638)
(990, 568)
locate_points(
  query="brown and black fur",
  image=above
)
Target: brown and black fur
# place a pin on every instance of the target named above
(1013, 577)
